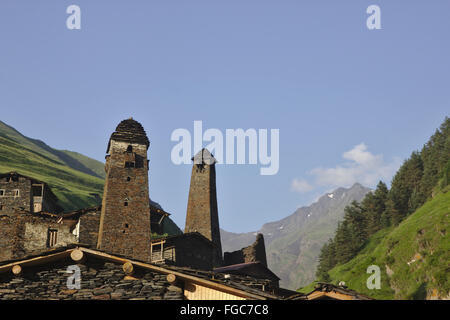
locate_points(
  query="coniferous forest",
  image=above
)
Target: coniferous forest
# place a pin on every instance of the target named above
(415, 182)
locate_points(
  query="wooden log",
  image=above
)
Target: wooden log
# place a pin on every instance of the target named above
(128, 268)
(16, 270)
(171, 278)
(78, 256)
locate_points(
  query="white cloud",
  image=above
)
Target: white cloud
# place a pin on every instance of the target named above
(301, 186)
(362, 166)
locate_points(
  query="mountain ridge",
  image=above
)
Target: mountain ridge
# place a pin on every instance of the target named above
(293, 243)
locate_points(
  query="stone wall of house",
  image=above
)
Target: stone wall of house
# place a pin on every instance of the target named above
(99, 281)
(192, 251)
(24, 199)
(11, 238)
(22, 234)
(253, 253)
(36, 234)
(89, 224)
(50, 202)
(8, 200)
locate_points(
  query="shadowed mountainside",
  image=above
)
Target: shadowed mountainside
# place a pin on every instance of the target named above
(293, 244)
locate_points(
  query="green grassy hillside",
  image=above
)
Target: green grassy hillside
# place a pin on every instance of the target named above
(413, 257)
(74, 178)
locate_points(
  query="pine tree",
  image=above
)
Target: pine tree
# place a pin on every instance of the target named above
(446, 176)
(357, 224)
(406, 192)
(344, 243)
(326, 261)
(374, 205)
(411, 186)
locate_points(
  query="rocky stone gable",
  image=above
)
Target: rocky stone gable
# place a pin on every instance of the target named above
(256, 252)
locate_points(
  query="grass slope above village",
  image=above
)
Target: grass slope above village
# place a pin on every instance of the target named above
(75, 179)
(402, 230)
(413, 256)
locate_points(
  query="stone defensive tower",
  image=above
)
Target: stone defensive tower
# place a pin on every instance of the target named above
(125, 217)
(202, 215)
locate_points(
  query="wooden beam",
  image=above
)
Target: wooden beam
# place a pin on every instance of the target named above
(171, 278)
(78, 256)
(315, 295)
(180, 275)
(332, 294)
(37, 260)
(128, 268)
(17, 270)
(339, 296)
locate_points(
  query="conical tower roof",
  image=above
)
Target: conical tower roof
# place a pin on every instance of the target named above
(131, 131)
(204, 157)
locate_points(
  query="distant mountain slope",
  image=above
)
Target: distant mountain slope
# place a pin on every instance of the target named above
(95, 167)
(74, 178)
(293, 243)
(413, 257)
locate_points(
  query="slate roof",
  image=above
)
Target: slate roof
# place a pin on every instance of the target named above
(129, 130)
(242, 267)
(204, 157)
(247, 286)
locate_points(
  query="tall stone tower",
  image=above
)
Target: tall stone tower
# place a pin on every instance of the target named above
(125, 217)
(202, 215)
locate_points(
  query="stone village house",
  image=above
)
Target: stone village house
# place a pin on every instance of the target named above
(111, 251)
(112, 246)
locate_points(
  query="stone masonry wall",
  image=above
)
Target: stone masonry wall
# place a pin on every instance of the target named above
(8, 201)
(202, 214)
(125, 218)
(193, 252)
(99, 281)
(253, 253)
(89, 224)
(22, 233)
(11, 238)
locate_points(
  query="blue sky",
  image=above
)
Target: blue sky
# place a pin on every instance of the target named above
(350, 103)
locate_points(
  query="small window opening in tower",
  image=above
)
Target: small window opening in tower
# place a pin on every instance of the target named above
(128, 178)
(125, 203)
(130, 148)
(126, 225)
(129, 164)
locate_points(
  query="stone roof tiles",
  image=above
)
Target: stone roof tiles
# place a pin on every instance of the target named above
(246, 285)
(130, 130)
